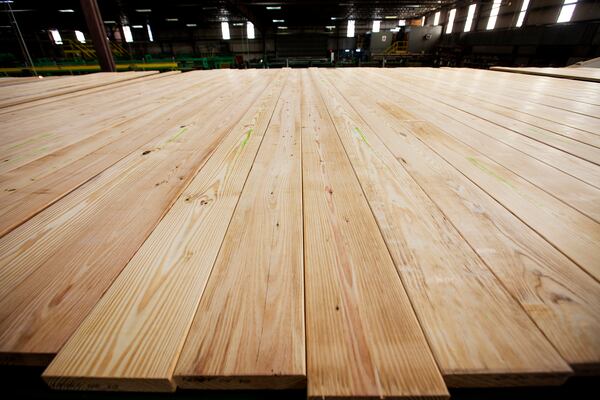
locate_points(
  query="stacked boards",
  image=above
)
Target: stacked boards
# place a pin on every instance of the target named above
(340, 230)
(589, 74)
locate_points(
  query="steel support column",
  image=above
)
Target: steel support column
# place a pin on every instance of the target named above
(98, 33)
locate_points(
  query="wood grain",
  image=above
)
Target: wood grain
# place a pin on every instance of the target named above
(56, 266)
(363, 339)
(133, 337)
(471, 323)
(560, 298)
(249, 328)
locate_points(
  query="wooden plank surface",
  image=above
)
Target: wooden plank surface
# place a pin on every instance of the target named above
(10, 96)
(477, 332)
(361, 232)
(169, 272)
(559, 297)
(363, 338)
(580, 73)
(56, 266)
(249, 328)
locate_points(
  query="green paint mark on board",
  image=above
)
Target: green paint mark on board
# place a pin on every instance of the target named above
(485, 169)
(358, 133)
(246, 138)
(177, 135)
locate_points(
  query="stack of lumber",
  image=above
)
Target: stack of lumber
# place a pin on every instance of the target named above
(590, 74)
(358, 232)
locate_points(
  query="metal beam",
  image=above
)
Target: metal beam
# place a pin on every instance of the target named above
(98, 33)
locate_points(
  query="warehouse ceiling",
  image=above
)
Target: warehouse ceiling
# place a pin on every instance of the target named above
(35, 14)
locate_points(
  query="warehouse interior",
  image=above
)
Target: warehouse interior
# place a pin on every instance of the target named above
(289, 199)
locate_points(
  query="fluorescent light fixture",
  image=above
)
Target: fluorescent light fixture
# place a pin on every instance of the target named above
(191, 25)
(347, 50)
(423, 20)
(238, 24)
(273, 7)
(143, 10)
(350, 30)
(127, 33)
(171, 19)
(566, 12)
(395, 29)
(250, 30)
(402, 22)
(137, 26)
(80, 36)
(329, 26)
(436, 19)
(225, 30)
(150, 37)
(450, 20)
(110, 22)
(470, 15)
(333, 18)
(358, 50)
(493, 15)
(56, 36)
(521, 18)
(278, 20)
(68, 10)
(391, 17)
(376, 26)
(282, 27)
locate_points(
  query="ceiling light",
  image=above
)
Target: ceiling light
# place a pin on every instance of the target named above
(333, 18)
(250, 30)
(330, 27)
(150, 37)
(56, 36)
(282, 27)
(138, 26)
(80, 36)
(278, 20)
(391, 17)
(225, 30)
(191, 25)
(402, 22)
(127, 34)
(350, 29)
(395, 30)
(110, 22)
(172, 19)
(143, 10)
(66, 10)
(273, 7)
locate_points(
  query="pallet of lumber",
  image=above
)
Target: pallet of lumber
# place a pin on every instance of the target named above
(356, 232)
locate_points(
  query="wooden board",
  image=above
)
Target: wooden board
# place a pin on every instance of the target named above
(248, 332)
(559, 297)
(10, 96)
(477, 332)
(580, 73)
(164, 277)
(56, 266)
(363, 339)
(361, 232)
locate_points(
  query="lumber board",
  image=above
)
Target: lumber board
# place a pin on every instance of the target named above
(55, 267)
(480, 135)
(169, 272)
(48, 88)
(248, 332)
(84, 92)
(363, 338)
(504, 131)
(571, 140)
(37, 131)
(538, 93)
(580, 73)
(560, 298)
(471, 323)
(27, 190)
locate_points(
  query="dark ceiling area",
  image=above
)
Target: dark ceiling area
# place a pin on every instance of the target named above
(33, 14)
